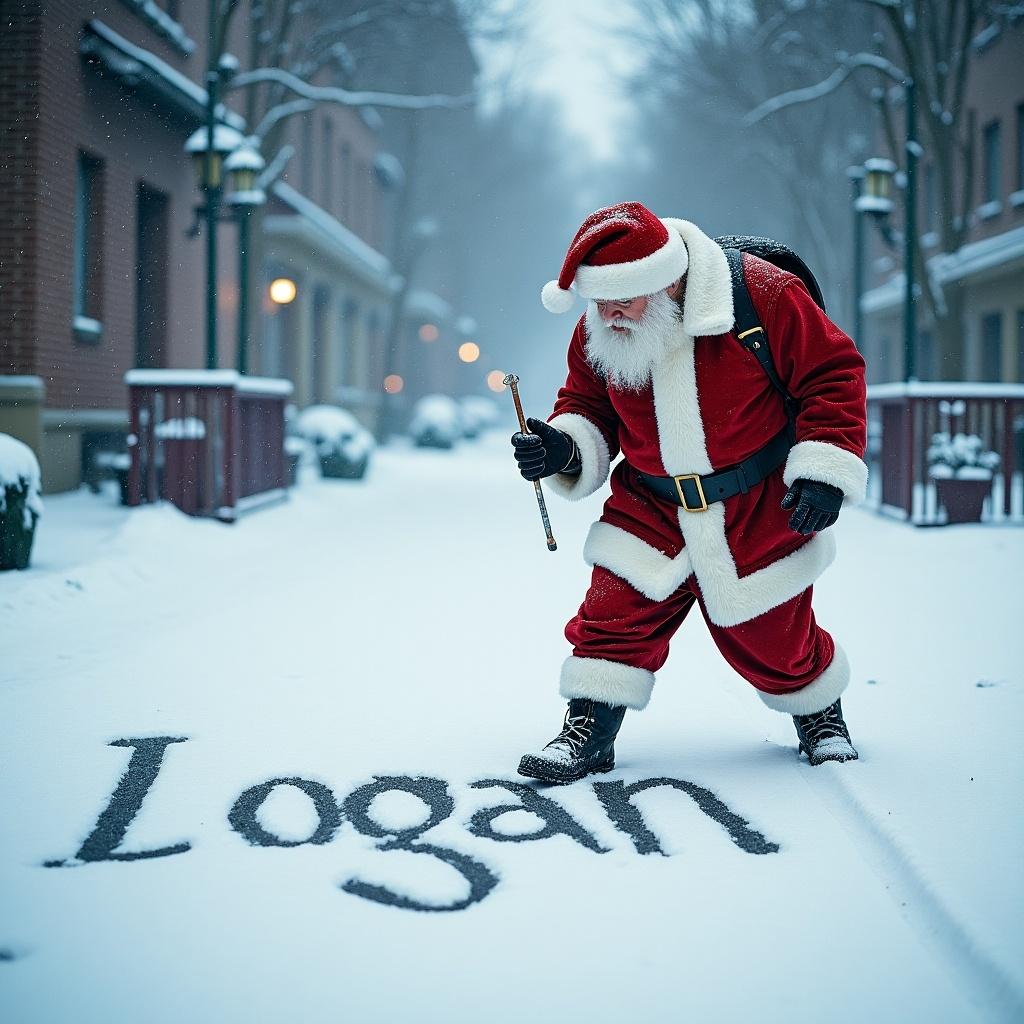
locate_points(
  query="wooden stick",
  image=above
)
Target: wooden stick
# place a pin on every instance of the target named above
(511, 381)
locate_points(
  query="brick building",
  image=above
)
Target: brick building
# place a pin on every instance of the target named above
(97, 272)
(989, 267)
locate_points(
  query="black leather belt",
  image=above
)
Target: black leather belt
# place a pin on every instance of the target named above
(695, 492)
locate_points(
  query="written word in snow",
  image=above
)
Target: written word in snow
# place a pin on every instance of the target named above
(615, 798)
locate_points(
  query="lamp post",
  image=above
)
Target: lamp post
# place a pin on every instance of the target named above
(910, 237)
(209, 161)
(875, 199)
(244, 166)
(856, 176)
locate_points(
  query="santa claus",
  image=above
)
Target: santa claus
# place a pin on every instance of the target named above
(722, 498)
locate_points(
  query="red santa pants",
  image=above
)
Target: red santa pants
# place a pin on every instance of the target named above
(779, 652)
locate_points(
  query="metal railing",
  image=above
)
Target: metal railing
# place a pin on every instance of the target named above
(210, 441)
(902, 419)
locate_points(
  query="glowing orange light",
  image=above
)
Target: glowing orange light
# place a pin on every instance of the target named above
(495, 380)
(283, 290)
(393, 383)
(469, 352)
(429, 332)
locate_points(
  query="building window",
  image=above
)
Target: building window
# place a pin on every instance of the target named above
(87, 292)
(926, 363)
(327, 165)
(991, 148)
(1020, 346)
(306, 156)
(1020, 147)
(992, 347)
(345, 174)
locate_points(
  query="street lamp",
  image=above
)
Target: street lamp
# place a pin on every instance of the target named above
(875, 200)
(209, 162)
(243, 167)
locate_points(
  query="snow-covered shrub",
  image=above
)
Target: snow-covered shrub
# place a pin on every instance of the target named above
(478, 414)
(436, 422)
(963, 456)
(343, 445)
(21, 503)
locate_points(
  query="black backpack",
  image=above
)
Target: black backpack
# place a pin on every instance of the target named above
(748, 323)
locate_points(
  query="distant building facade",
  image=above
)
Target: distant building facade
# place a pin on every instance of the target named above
(989, 267)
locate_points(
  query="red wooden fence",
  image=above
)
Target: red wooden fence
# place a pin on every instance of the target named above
(210, 441)
(901, 421)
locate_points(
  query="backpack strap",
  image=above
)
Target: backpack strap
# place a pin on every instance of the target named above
(751, 333)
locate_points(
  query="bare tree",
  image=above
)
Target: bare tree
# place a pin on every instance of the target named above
(707, 63)
(930, 43)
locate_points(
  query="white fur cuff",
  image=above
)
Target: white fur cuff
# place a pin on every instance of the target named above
(607, 681)
(817, 694)
(594, 458)
(828, 464)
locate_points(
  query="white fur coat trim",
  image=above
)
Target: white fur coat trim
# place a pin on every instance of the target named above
(828, 464)
(817, 694)
(644, 568)
(708, 307)
(594, 457)
(607, 681)
(644, 276)
(729, 599)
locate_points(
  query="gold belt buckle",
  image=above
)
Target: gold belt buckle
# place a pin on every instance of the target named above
(695, 477)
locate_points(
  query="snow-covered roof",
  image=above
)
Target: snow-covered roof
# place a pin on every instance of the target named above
(133, 63)
(968, 261)
(161, 22)
(23, 382)
(314, 226)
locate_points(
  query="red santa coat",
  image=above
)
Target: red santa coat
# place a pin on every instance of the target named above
(709, 406)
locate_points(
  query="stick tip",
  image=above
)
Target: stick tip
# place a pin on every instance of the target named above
(552, 546)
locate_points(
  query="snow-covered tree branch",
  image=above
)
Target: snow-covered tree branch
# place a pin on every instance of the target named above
(847, 65)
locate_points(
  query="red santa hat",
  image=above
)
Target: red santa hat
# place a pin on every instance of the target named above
(619, 252)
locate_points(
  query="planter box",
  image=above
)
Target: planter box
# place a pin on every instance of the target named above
(15, 536)
(962, 499)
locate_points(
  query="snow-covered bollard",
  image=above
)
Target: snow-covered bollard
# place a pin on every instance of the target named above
(20, 502)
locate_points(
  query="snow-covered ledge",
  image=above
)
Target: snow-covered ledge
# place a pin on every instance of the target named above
(208, 379)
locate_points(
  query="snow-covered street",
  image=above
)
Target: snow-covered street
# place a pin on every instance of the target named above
(360, 639)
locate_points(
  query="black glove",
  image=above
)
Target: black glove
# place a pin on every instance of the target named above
(817, 505)
(545, 452)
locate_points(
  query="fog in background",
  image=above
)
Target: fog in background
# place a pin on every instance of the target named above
(585, 103)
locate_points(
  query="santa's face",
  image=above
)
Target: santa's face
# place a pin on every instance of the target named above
(626, 341)
(620, 315)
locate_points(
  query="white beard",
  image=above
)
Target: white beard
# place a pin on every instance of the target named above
(625, 360)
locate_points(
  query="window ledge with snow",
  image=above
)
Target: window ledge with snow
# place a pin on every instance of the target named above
(989, 210)
(86, 329)
(1017, 198)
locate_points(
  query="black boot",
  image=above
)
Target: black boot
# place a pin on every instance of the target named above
(585, 746)
(824, 736)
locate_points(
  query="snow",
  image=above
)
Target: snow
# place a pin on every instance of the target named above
(171, 75)
(19, 468)
(343, 243)
(208, 379)
(372, 636)
(330, 428)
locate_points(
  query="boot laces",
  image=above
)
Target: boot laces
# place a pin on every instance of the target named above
(575, 733)
(823, 725)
